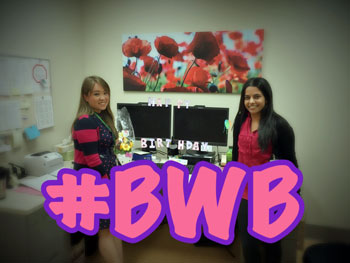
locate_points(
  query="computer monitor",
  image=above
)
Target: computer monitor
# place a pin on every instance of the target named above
(200, 124)
(149, 121)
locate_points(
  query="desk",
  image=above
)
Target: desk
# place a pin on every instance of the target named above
(288, 244)
(27, 233)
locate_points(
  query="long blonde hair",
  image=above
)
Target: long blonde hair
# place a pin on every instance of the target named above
(84, 107)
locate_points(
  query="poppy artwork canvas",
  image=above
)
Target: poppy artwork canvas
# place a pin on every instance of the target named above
(201, 62)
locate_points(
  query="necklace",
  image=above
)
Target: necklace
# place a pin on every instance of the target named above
(105, 124)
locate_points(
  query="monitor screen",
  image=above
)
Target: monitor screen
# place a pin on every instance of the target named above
(149, 121)
(201, 124)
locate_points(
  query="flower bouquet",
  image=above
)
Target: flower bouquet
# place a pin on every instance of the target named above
(126, 136)
(124, 143)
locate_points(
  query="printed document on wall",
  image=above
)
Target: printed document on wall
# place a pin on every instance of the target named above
(44, 111)
(10, 117)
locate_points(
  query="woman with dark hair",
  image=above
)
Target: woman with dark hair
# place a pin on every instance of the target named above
(259, 135)
(94, 135)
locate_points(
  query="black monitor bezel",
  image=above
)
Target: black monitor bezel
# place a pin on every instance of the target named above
(200, 108)
(145, 104)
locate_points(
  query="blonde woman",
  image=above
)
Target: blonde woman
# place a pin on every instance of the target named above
(94, 135)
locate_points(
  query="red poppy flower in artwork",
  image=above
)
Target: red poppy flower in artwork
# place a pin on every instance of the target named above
(204, 46)
(200, 78)
(150, 65)
(169, 71)
(188, 79)
(260, 34)
(219, 38)
(131, 82)
(166, 46)
(235, 35)
(257, 65)
(251, 48)
(179, 57)
(237, 61)
(171, 77)
(183, 44)
(239, 44)
(171, 87)
(197, 77)
(194, 89)
(128, 70)
(135, 47)
(241, 77)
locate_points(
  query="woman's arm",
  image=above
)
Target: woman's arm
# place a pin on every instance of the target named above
(86, 132)
(285, 142)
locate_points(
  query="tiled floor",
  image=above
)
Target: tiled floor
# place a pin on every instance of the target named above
(160, 247)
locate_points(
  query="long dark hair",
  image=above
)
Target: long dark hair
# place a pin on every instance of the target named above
(267, 124)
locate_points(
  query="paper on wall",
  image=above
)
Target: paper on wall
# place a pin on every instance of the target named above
(44, 111)
(32, 132)
(17, 138)
(10, 117)
(4, 144)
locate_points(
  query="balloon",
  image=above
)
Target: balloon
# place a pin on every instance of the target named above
(227, 124)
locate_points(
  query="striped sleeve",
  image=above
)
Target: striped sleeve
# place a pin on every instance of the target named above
(86, 135)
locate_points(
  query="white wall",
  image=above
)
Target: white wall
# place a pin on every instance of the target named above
(306, 60)
(49, 30)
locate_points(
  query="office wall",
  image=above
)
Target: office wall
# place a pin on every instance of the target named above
(306, 59)
(49, 30)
